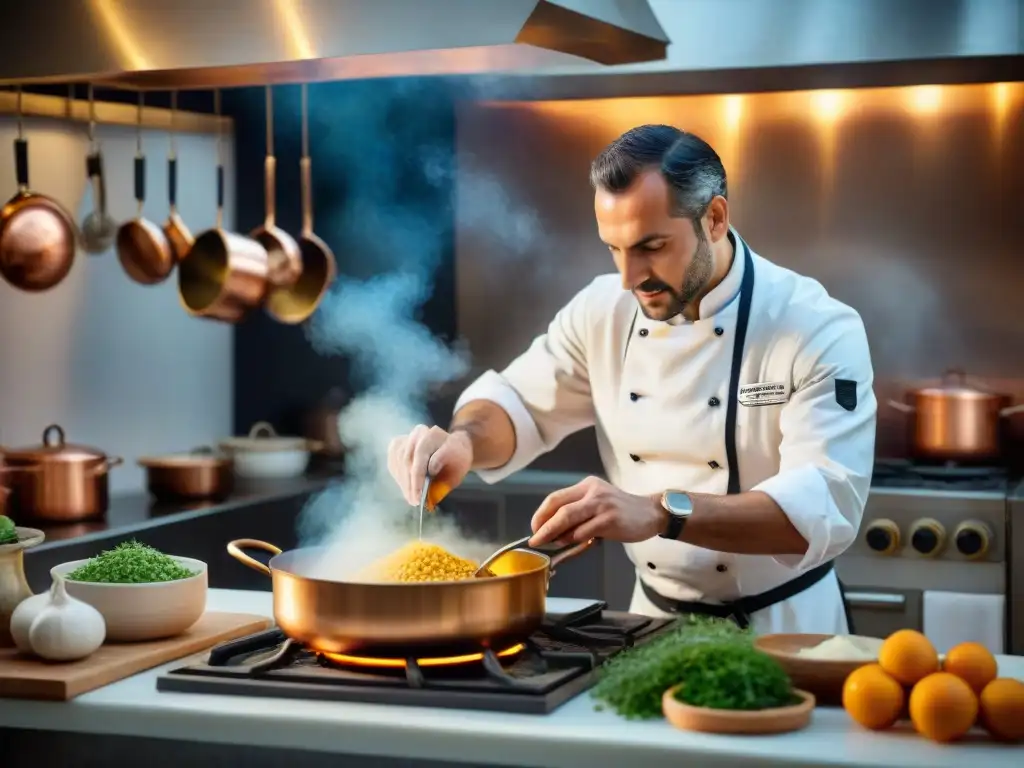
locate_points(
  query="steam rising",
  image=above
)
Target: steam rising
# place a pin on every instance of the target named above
(387, 226)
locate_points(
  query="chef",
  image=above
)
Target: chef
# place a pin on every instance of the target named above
(732, 400)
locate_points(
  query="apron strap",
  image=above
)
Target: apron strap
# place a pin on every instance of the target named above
(732, 402)
(740, 610)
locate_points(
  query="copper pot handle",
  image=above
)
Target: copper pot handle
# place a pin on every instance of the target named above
(1013, 409)
(235, 550)
(567, 554)
(262, 429)
(901, 407)
(107, 464)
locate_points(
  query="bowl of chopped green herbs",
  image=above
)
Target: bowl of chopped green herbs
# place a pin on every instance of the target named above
(703, 674)
(736, 689)
(142, 593)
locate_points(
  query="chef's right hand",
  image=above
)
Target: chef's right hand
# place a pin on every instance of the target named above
(446, 456)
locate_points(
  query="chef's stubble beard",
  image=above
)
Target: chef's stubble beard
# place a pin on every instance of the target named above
(702, 267)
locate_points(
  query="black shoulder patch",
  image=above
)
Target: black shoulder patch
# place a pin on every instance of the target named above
(846, 393)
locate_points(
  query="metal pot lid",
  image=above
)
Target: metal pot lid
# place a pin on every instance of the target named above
(54, 448)
(954, 384)
(263, 437)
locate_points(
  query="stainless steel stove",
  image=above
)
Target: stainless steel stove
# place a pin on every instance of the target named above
(555, 664)
(1015, 569)
(941, 528)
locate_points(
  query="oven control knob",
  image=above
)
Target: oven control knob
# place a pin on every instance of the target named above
(883, 536)
(973, 539)
(927, 537)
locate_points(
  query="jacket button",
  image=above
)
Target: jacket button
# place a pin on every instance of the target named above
(642, 332)
(721, 568)
(719, 330)
(714, 402)
(651, 566)
(634, 457)
(714, 464)
(634, 396)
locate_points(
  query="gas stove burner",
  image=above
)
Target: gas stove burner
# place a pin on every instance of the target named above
(557, 662)
(402, 662)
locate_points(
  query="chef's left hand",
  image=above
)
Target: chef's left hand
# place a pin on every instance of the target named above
(594, 508)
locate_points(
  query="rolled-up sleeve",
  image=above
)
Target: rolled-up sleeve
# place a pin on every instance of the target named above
(828, 440)
(545, 391)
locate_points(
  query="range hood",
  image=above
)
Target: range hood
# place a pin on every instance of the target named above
(185, 44)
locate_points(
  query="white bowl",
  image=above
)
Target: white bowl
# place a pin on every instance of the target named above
(135, 612)
(257, 465)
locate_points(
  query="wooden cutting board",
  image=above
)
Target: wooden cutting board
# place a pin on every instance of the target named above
(26, 677)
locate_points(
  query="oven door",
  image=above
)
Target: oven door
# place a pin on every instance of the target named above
(880, 612)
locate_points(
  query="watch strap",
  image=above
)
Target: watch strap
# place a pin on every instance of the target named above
(676, 521)
(674, 527)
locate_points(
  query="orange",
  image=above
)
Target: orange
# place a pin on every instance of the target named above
(872, 698)
(908, 656)
(943, 707)
(1002, 709)
(973, 663)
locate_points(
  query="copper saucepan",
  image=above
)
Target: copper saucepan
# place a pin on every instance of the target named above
(431, 618)
(285, 261)
(38, 237)
(142, 247)
(201, 474)
(293, 304)
(955, 421)
(178, 235)
(224, 274)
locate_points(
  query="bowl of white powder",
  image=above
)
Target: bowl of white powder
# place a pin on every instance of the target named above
(820, 663)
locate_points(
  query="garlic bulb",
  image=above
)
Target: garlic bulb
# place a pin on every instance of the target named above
(67, 629)
(24, 614)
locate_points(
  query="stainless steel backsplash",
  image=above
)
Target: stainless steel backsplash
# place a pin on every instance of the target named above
(906, 203)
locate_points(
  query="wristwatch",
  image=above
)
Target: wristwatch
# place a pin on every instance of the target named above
(679, 507)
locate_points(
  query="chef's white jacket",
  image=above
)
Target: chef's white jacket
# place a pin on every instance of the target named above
(656, 392)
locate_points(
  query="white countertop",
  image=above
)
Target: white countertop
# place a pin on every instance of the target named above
(574, 736)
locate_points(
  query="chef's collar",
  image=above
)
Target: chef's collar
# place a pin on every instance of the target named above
(719, 297)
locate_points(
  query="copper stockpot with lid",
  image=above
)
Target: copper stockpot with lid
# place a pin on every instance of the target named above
(956, 422)
(57, 481)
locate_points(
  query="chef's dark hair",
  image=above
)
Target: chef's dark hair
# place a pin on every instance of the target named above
(688, 163)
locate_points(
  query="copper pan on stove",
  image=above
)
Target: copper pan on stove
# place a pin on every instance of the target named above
(439, 618)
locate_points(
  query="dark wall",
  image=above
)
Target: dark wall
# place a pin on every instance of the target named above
(377, 146)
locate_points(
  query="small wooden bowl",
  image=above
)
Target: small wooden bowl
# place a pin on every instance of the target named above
(824, 678)
(761, 721)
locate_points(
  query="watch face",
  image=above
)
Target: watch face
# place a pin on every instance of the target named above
(678, 503)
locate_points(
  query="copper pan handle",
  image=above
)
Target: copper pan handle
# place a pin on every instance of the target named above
(235, 550)
(567, 554)
(1013, 409)
(269, 186)
(901, 407)
(108, 463)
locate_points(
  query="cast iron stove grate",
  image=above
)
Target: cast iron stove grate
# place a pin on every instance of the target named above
(898, 473)
(557, 663)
